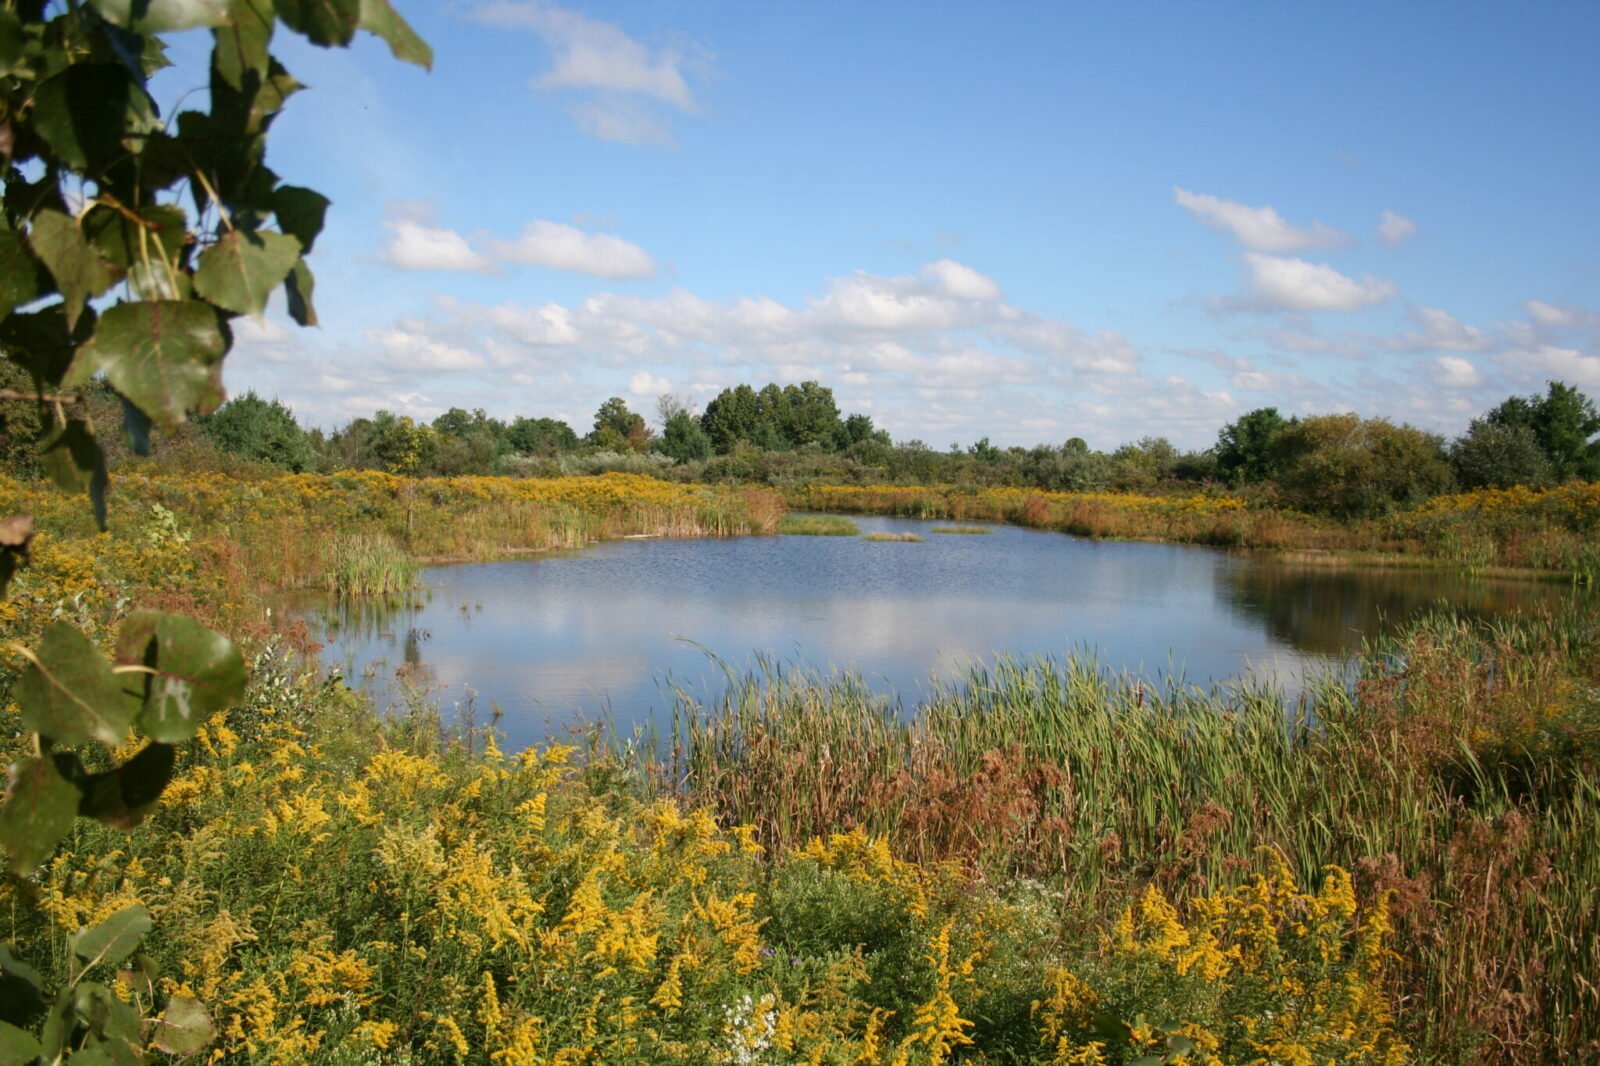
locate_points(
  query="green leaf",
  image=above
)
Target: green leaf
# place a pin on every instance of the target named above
(73, 459)
(20, 989)
(21, 281)
(239, 53)
(162, 16)
(297, 287)
(240, 271)
(155, 233)
(164, 355)
(85, 112)
(11, 41)
(323, 22)
(113, 939)
(78, 269)
(196, 672)
(135, 428)
(379, 18)
(122, 797)
(39, 808)
(69, 693)
(185, 1027)
(17, 1046)
(41, 342)
(300, 213)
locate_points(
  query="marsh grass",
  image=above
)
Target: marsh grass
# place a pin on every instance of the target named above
(962, 530)
(367, 565)
(901, 538)
(817, 526)
(1455, 766)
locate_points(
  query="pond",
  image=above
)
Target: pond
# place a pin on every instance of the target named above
(607, 632)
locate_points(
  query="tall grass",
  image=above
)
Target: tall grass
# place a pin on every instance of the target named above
(369, 564)
(1456, 766)
(817, 526)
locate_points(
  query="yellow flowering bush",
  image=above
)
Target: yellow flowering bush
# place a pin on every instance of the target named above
(336, 888)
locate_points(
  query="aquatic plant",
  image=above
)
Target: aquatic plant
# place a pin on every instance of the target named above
(817, 526)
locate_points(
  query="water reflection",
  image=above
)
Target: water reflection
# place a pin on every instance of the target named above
(1328, 611)
(569, 638)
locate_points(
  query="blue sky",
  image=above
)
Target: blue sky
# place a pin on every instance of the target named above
(1027, 222)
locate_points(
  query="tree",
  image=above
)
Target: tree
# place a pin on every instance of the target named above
(684, 440)
(94, 212)
(856, 430)
(731, 416)
(808, 415)
(1354, 467)
(397, 444)
(541, 436)
(1246, 447)
(1564, 422)
(263, 430)
(1496, 455)
(618, 429)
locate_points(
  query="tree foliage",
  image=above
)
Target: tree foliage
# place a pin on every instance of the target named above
(263, 430)
(1563, 421)
(129, 240)
(1355, 467)
(1246, 448)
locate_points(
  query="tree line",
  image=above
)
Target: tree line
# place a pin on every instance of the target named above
(1339, 464)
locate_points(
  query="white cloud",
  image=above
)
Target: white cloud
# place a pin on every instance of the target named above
(1261, 228)
(1550, 362)
(416, 246)
(1296, 285)
(1453, 372)
(610, 119)
(870, 302)
(960, 280)
(1395, 228)
(1440, 330)
(410, 346)
(623, 83)
(642, 383)
(562, 247)
(1560, 316)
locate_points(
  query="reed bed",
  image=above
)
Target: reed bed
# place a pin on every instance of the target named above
(895, 538)
(817, 526)
(1455, 768)
(364, 564)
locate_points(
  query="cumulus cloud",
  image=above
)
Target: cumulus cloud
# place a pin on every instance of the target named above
(1550, 362)
(1395, 228)
(561, 247)
(1440, 330)
(643, 383)
(409, 345)
(1454, 372)
(873, 303)
(622, 86)
(958, 279)
(1560, 316)
(1289, 284)
(1260, 228)
(414, 245)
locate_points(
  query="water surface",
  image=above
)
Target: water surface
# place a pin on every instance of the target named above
(562, 639)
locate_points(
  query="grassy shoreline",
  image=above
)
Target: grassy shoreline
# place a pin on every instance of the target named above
(1555, 531)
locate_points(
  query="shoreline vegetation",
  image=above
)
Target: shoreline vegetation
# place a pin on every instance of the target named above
(1045, 863)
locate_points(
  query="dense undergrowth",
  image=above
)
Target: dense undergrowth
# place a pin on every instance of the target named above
(1046, 864)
